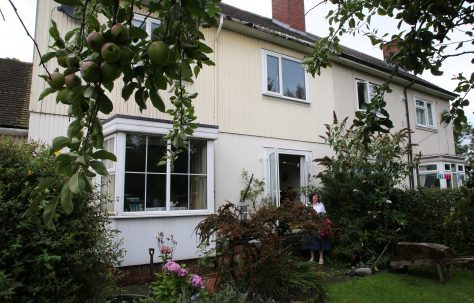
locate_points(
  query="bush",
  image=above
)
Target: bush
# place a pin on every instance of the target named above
(254, 252)
(71, 262)
(444, 216)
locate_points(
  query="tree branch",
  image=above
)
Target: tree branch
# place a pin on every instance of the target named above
(32, 39)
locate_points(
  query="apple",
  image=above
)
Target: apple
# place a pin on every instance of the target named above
(62, 60)
(72, 80)
(56, 80)
(70, 70)
(109, 72)
(72, 61)
(158, 52)
(119, 33)
(110, 52)
(90, 71)
(95, 40)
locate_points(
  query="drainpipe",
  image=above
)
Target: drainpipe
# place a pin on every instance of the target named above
(410, 149)
(219, 28)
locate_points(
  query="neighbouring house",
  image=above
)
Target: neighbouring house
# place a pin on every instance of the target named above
(15, 83)
(257, 110)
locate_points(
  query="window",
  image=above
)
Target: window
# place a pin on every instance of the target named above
(108, 182)
(428, 167)
(144, 188)
(365, 93)
(146, 183)
(149, 25)
(424, 113)
(284, 77)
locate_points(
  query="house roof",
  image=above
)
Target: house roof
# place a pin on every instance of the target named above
(15, 86)
(276, 28)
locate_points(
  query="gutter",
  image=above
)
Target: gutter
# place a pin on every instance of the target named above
(19, 132)
(221, 22)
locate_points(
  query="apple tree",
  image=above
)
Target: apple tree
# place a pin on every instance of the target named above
(105, 47)
(427, 34)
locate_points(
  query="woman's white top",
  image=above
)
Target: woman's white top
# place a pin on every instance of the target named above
(319, 208)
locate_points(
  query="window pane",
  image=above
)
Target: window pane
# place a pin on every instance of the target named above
(361, 94)
(179, 192)
(429, 181)
(137, 23)
(135, 153)
(429, 111)
(108, 190)
(134, 192)
(109, 146)
(420, 103)
(420, 116)
(198, 192)
(156, 192)
(156, 151)
(181, 164)
(293, 79)
(273, 74)
(198, 153)
(153, 26)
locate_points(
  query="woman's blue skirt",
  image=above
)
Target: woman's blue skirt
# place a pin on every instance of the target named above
(315, 243)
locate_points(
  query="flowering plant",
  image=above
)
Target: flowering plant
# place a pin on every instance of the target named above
(166, 246)
(175, 284)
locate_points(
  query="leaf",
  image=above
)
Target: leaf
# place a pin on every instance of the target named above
(93, 24)
(60, 142)
(105, 105)
(139, 98)
(77, 183)
(128, 89)
(104, 155)
(99, 167)
(137, 33)
(157, 101)
(47, 91)
(49, 211)
(74, 129)
(48, 56)
(66, 199)
(53, 31)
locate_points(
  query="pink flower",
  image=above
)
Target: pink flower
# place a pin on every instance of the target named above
(172, 266)
(166, 250)
(182, 272)
(196, 281)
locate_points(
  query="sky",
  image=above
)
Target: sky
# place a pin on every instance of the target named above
(16, 44)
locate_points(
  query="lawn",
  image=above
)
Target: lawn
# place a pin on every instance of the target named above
(416, 286)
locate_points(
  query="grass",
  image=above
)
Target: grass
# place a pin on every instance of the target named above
(415, 286)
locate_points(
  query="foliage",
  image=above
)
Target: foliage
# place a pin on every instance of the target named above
(416, 286)
(229, 293)
(253, 189)
(464, 145)
(107, 45)
(69, 264)
(166, 246)
(439, 216)
(423, 40)
(357, 183)
(175, 284)
(252, 250)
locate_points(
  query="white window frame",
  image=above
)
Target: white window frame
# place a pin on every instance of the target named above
(368, 93)
(148, 22)
(120, 127)
(266, 92)
(425, 108)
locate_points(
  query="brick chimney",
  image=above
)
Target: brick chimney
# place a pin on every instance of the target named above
(290, 12)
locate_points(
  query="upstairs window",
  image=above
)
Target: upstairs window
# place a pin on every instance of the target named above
(284, 77)
(365, 93)
(424, 113)
(149, 25)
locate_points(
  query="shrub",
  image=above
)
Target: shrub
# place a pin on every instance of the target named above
(69, 263)
(254, 252)
(444, 216)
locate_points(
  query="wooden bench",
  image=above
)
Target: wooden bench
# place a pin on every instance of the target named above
(430, 254)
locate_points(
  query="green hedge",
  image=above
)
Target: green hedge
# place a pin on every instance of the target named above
(70, 263)
(440, 216)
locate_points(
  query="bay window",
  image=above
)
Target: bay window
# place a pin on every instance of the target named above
(142, 184)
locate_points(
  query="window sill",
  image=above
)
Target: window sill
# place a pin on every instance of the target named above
(164, 214)
(304, 102)
(427, 128)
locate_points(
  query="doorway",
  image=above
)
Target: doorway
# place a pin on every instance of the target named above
(286, 172)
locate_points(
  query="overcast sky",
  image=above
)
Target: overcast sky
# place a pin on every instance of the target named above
(16, 44)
